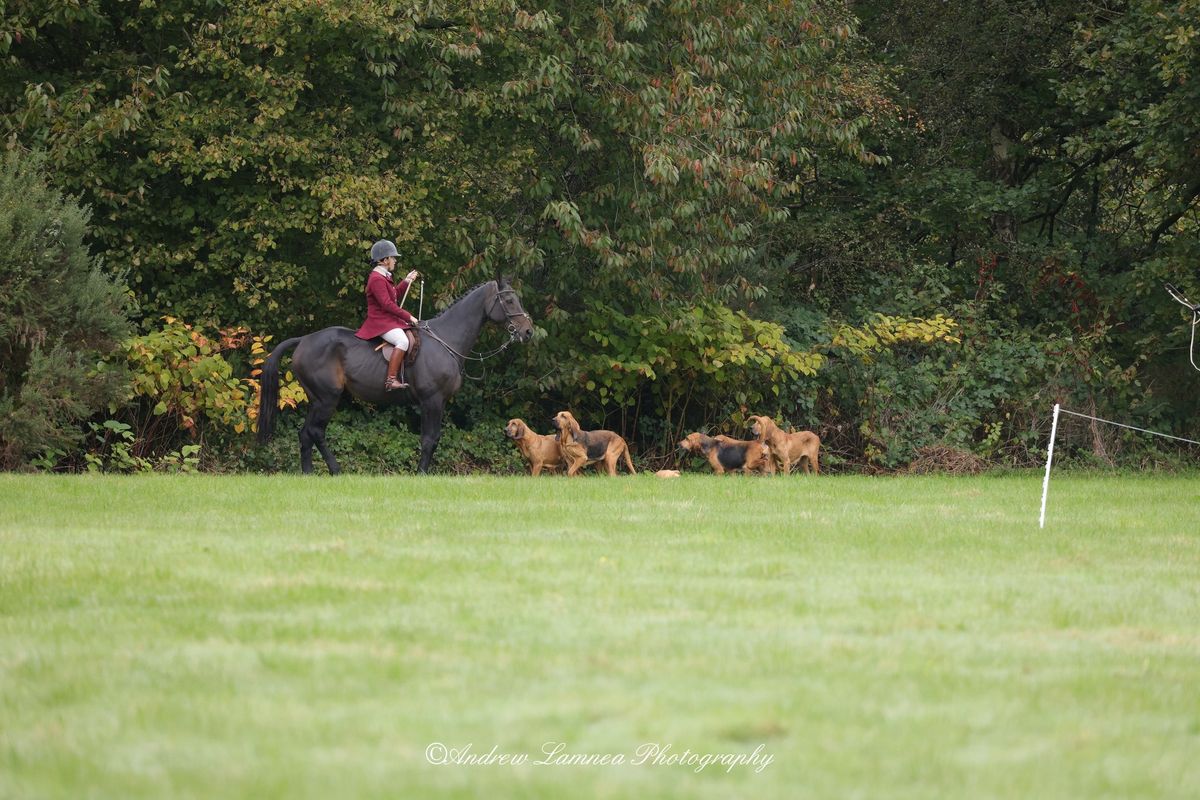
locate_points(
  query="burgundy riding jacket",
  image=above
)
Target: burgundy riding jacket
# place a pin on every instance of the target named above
(382, 312)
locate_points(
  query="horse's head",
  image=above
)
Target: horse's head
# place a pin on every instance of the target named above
(505, 307)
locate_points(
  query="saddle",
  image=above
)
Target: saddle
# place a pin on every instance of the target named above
(414, 346)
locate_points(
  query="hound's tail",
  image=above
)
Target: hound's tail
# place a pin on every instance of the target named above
(268, 401)
(629, 461)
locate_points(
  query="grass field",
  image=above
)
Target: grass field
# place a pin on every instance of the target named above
(874, 637)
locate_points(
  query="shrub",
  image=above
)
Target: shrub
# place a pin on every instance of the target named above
(671, 370)
(191, 383)
(112, 450)
(374, 441)
(60, 315)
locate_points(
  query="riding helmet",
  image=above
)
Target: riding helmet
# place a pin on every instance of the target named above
(382, 249)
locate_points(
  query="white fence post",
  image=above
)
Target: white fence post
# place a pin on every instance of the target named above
(1049, 458)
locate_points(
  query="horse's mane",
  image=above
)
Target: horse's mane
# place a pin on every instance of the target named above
(460, 298)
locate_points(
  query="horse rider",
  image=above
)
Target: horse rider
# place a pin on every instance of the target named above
(384, 317)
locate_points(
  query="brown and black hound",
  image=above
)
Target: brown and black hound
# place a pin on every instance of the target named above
(539, 449)
(729, 455)
(801, 448)
(580, 447)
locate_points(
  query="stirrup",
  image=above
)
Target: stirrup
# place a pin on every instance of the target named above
(391, 384)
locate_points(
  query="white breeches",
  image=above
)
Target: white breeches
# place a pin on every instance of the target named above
(396, 337)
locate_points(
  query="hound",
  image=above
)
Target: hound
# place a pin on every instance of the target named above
(540, 450)
(728, 455)
(580, 447)
(801, 448)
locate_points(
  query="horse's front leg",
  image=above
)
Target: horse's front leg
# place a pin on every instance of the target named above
(431, 430)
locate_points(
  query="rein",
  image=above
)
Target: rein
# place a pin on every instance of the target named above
(512, 336)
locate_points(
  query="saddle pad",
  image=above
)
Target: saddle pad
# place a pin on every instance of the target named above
(414, 346)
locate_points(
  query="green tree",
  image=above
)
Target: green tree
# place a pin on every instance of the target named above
(1130, 186)
(60, 314)
(1044, 185)
(675, 138)
(241, 157)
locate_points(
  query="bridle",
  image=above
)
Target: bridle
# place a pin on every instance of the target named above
(512, 327)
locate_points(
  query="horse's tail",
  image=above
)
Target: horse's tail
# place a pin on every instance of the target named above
(268, 401)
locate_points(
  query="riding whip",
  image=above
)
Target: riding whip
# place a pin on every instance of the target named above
(406, 292)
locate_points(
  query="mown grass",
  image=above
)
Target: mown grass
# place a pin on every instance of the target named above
(879, 638)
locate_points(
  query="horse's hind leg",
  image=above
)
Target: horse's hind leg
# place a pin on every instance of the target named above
(431, 431)
(313, 433)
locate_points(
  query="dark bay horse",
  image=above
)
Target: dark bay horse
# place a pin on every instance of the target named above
(332, 360)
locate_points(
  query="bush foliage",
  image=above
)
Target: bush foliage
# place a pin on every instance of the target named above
(61, 314)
